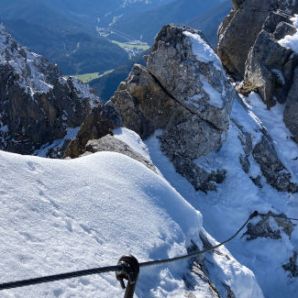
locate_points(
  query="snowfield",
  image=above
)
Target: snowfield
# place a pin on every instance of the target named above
(238, 196)
(63, 215)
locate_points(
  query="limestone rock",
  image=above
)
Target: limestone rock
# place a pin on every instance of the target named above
(291, 108)
(269, 225)
(110, 143)
(186, 66)
(142, 102)
(99, 123)
(292, 266)
(239, 31)
(37, 105)
(184, 91)
(272, 168)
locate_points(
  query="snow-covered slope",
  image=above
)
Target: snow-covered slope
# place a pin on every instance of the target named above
(238, 196)
(63, 215)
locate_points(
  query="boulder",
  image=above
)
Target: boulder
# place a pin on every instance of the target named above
(110, 143)
(189, 70)
(99, 123)
(183, 91)
(272, 168)
(142, 102)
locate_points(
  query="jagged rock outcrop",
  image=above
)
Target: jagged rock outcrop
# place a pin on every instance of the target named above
(291, 107)
(250, 49)
(184, 91)
(99, 123)
(241, 28)
(111, 144)
(272, 168)
(292, 265)
(143, 103)
(37, 104)
(269, 66)
(269, 225)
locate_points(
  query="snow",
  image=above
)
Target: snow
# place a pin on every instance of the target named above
(58, 144)
(202, 50)
(273, 121)
(63, 215)
(215, 98)
(133, 140)
(222, 266)
(291, 41)
(225, 210)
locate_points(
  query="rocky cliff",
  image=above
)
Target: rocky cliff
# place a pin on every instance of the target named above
(40, 109)
(251, 48)
(233, 148)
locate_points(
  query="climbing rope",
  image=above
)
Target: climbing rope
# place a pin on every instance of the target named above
(128, 267)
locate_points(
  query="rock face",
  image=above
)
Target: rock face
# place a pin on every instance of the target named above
(292, 266)
(269, 225)
(272, 168)
(37, 104)
(99, 123)
(250, 49)
(184, 91)
(291, 108)
(241, 28)
(110, 143)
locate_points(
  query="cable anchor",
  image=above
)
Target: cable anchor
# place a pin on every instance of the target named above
(129, 272)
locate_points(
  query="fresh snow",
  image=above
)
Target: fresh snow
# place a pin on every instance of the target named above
(202, 50)
(227, 208)
(221, 268)
(273, 121)
(64, 215)
(291, 41)
(133, 140)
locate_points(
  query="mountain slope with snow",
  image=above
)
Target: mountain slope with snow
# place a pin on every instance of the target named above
(63, 215)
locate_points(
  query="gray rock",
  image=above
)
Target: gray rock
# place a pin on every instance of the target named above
(291, 108)
(292, 266)
(99, 123)
(37, 105)
(249, 48)
(174, 63)
(264, 229)
(238, 33)
(272, 168)
(269, 69)
(111, 144)
(176, 93)
(142, 102)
